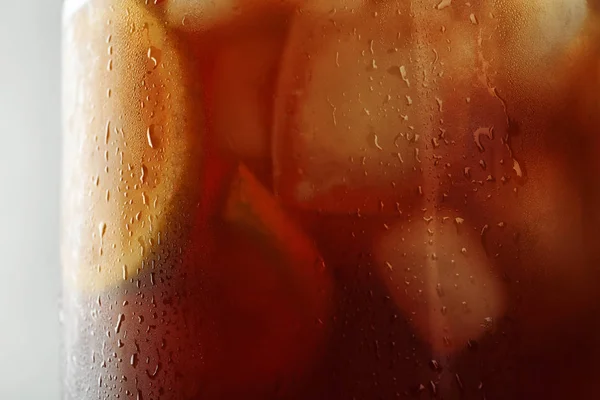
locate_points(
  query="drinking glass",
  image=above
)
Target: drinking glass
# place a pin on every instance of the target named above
(331, 199)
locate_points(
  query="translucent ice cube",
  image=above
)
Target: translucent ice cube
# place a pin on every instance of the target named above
(442, 281)
(348, 132)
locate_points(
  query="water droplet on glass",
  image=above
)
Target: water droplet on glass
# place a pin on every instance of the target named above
(458, 381)
(120, 320)
(434, 365)
(433, 388)
(102, 229)
(375, 140)
(144, 171)
(149, 136)
(107, 133)
(517, 168)
(487, 132)
(443, 4)
(154, 56)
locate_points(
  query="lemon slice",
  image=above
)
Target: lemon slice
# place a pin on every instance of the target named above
(131, 134)
(276, 290)
(252, 207)
(296, 261)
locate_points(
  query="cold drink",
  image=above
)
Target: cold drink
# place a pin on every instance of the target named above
(331, 199)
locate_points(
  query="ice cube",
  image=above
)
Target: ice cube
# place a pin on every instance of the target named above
(348, 126)
(241, 89)
(442, 281)
(375, 105)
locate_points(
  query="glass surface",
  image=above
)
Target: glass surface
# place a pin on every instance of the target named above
(331, 199)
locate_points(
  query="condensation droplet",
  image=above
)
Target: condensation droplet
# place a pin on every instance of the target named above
(487, 132)
(517, 168)
(120, 320)
(149, 136)
(102, 229)
(443, 4)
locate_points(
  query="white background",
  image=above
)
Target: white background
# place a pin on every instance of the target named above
(29, 204)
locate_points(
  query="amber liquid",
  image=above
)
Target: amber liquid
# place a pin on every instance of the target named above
(422, 189)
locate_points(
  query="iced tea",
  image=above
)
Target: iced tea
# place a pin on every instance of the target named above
(331, 199)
